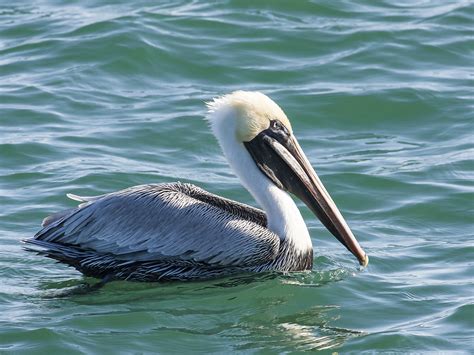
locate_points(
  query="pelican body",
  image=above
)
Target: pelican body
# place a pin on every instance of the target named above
(177, 231)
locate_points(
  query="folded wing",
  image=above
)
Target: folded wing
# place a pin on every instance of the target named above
(165, 223)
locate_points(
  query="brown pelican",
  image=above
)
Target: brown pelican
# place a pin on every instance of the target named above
(176, 231)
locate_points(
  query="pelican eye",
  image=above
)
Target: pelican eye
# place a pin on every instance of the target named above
(279, 130)
(275, 124)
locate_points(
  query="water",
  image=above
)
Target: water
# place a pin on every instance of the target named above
(97, 96)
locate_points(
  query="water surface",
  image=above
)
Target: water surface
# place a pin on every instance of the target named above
(97, 96)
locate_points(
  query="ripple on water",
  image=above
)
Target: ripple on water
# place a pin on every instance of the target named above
(96, 97)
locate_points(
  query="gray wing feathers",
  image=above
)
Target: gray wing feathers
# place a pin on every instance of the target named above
(56, 217)
(165, 222)
(242, 210)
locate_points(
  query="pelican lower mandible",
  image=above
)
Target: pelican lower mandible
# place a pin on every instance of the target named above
(177, 231)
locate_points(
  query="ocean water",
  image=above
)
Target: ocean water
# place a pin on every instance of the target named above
(96, 96)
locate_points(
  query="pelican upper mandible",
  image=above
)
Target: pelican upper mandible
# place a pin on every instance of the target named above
(177, 231)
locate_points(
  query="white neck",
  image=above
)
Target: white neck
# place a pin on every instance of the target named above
(284, 218)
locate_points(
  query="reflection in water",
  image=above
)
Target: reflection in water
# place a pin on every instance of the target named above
(311, 338)
(267, 311)
(311, 330)
(88, 285)
(307, 330)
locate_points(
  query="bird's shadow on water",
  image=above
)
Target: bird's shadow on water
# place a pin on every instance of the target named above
(91, 288)
(258, 310)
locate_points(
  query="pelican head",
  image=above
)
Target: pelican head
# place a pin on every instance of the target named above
(253, 130)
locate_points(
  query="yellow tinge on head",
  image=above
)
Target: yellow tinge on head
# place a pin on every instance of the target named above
(253, 112)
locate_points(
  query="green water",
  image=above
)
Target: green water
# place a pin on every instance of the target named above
(97, 96)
